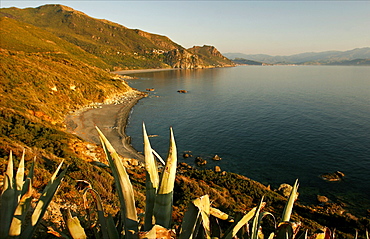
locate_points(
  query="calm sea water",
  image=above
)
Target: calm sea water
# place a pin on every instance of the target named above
(272, 124)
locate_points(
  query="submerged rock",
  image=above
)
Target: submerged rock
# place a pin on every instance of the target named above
(216, 158)
(182, 91)
(200, 161)
(322, 199)
(336, 176)
(187, 154)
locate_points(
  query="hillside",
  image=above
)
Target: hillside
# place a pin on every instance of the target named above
(119, 47)
(324, 58)
(242, 61)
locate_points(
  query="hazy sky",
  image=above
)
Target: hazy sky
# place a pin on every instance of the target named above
(251, 27)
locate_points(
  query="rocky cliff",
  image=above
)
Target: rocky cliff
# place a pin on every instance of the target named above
(180, 58)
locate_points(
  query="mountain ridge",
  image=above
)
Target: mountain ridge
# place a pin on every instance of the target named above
(325, 57)
(116, 45)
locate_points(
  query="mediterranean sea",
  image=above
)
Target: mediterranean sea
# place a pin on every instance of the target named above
(273, 124)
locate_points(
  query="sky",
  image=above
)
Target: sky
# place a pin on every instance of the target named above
(250, 27)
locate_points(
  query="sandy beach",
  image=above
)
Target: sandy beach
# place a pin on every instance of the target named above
(111, 119)
(127, 72)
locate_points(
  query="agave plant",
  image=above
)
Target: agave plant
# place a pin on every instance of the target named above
(16, 197)
(199, 220)
(159, 194)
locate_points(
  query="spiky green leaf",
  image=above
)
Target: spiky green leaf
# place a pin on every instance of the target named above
(164, 198)
(74, 226)
(124, 188)
(21, 211)
(43, 203)
(152, 181)
(289, 205)
(245, 219)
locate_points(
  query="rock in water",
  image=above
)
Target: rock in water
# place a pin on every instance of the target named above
(200, 161)
(336, 176)
(322, 199)
(216, 158)
(217, 169)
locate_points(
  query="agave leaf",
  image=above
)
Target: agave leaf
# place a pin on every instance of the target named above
(245, 219)
(169, 173)
(74, 226)
(111, 227)
(19, 178)
(43, 203)
(289, 205)
(8, 181)
(124, 188)
(21, 211)
(287, 229)
(30, 176)
(99, 207)
(189, 222)
(6, 209)
(219, 214)
(159, 157)
(152, 181)
(164, 198)
(257, 220)
(203, 206)
(8, 200)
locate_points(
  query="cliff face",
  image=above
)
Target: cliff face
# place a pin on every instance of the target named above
(180, 58)
(210, 56)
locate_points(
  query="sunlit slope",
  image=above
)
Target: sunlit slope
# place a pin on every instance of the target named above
(20, 36)
(40, 70)
(115, 44)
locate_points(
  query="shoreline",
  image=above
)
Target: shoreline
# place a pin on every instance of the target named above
(126, 72)
(111, 119)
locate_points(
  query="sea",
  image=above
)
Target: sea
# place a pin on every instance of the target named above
(273, 124)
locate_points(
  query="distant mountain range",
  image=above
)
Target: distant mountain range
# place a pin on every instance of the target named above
(358, 56)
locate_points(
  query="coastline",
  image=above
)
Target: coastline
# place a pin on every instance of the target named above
(124, 72)
(111, 119)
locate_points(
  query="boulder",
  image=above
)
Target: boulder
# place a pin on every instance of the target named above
(322, 199)
(332, 177)
(182, 91)
(187, 155)
(216, 158)
(217, 169)
(200, 161)
(285, 189)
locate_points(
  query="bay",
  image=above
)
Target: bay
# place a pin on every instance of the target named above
(273, 124)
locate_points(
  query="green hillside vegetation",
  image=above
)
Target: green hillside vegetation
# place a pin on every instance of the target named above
(243, 61)
(116, 45)
(356, 62)
(210, 56)
(20, 36)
